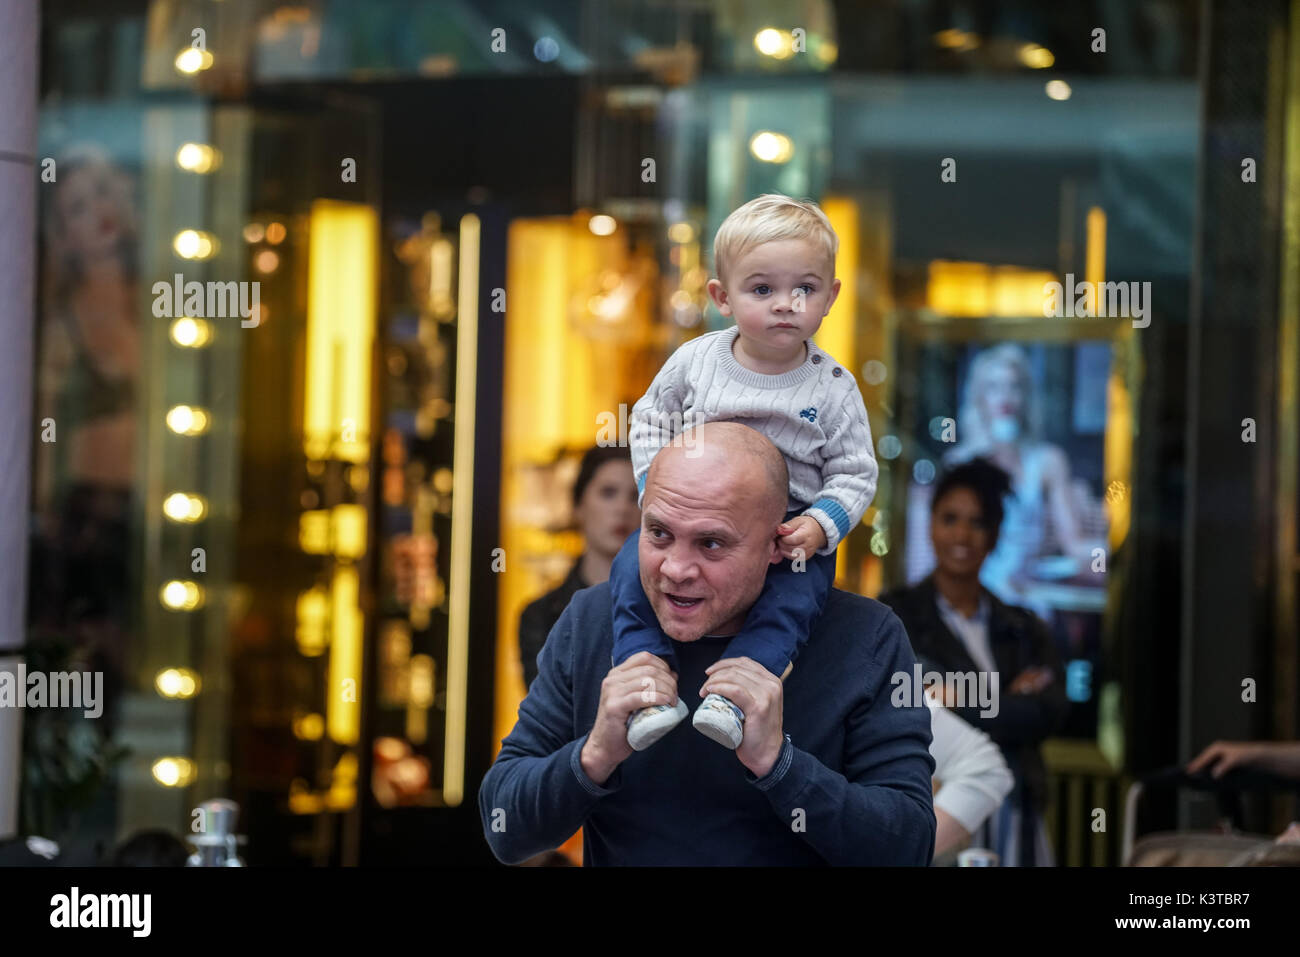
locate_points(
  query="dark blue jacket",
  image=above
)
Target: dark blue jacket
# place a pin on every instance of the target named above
(1018, 639)
(851, 785)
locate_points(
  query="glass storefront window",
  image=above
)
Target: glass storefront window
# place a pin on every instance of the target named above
(449, 245)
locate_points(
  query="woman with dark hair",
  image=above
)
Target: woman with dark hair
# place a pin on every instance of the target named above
(956, 625)
(606, 512)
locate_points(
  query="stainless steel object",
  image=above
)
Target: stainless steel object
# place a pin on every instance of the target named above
(215, 842)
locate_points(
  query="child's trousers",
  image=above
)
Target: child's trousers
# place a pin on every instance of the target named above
(776, 627)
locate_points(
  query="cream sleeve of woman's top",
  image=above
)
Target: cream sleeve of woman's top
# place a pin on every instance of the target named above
(973, 777)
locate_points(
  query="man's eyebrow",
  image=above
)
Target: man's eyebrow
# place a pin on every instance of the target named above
(717, 532)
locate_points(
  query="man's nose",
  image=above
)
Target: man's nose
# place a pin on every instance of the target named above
(678, 565)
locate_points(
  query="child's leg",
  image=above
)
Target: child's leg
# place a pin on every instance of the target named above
(636, 627)
(779, 623)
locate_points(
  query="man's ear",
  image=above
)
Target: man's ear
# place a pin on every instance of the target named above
(776, 557)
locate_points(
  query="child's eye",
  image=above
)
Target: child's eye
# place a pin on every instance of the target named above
(807, 286)
(762, 289)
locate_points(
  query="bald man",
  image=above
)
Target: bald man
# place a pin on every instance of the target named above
(828, 771)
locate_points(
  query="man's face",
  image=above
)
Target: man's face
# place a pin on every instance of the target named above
(703, 562)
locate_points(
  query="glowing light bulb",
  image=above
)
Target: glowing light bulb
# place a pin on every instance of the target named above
(768, 41)
(177, 683)
(1058, 89)
(183, 507)
(173, 772)
(187, 420)
(194, 244)
(197, 158)
(191, 333)
(771, 147)
(191, 60)
(1035, 57)
(181, 595)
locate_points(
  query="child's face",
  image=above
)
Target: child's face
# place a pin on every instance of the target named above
(778, 293)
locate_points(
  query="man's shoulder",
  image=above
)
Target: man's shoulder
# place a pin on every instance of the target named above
(851, 603)
(908, 600)
(856, 643)
(583, 625)
(588, 609)
(593, 593)
(846, 618)
(894, 597)
(857, 620)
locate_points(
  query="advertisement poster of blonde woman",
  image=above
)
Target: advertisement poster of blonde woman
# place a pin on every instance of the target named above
(1037, 411)
(88, 372)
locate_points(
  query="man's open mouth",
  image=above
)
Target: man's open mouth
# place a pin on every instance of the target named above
(682, 602)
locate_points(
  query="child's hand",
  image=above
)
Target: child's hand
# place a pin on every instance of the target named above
(803, 533)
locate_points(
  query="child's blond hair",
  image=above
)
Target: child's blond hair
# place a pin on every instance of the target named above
(771, 218)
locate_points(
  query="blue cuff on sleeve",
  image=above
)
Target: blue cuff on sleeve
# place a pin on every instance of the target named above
(835, 512)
